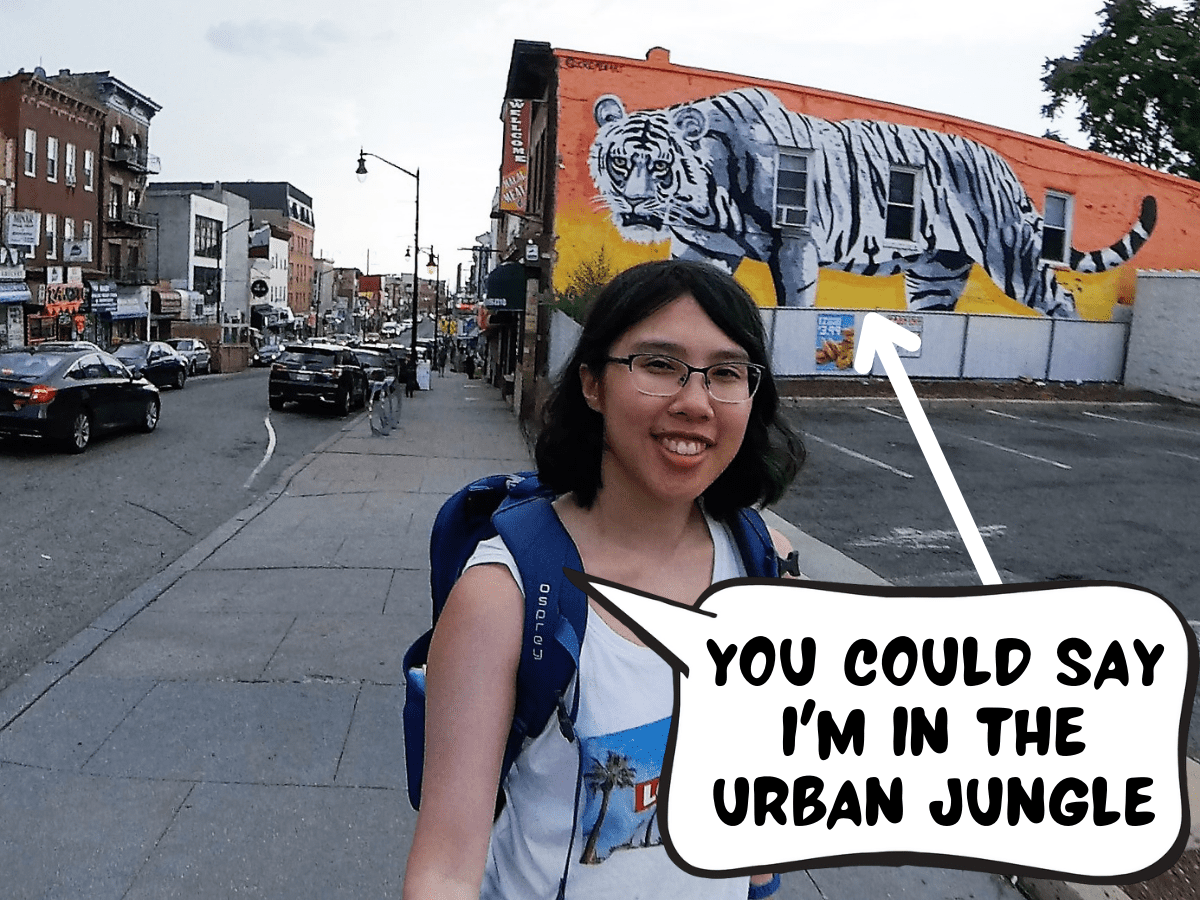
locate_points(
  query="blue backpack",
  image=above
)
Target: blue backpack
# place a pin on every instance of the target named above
(517, 508)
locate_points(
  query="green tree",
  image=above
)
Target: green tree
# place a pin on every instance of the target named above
(584, 283)
(1137, 82)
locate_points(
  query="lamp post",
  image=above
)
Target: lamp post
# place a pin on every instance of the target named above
(433, 264)
(361, 172)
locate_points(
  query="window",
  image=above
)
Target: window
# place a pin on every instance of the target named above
(87, 231)
(69, 166)
(51, 236)
(791, 189)
(901, 205)
(115, 137)
(208, 238)
(114, 202)
(89, 170)
(68, 229)
(1056, 227)
(30, 151)
(52, 159)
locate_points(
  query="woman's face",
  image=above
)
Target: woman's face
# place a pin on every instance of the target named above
(668, 448)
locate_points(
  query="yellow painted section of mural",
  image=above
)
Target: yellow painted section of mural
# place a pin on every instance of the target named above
(586, 237)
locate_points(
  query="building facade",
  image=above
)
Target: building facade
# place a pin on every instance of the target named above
(286, 206)
(53, 138)
(824, 205)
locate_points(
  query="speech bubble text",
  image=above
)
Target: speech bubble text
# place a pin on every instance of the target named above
(1036, 729)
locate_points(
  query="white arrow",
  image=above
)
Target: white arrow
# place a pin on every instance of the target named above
(878, 338)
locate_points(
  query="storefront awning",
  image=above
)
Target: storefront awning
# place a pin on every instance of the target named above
(15, 292)
(130, 308)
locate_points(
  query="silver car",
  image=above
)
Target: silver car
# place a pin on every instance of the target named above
(196, 352)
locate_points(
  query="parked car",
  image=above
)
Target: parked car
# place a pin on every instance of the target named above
(378, 365)
(320, 373)
(67, 394)
(266, 354)
(196, 352)
(157, 362)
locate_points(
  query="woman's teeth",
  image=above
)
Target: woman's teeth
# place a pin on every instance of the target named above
(683, 448)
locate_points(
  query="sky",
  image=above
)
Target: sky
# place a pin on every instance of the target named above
(290, 90)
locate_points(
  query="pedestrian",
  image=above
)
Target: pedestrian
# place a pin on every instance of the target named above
(469, 365)
(410, 376)
(662, 427)
(441, 360)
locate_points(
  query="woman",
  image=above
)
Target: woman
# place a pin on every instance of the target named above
(664, 425)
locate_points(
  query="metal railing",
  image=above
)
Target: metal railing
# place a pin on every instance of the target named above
(137, 159)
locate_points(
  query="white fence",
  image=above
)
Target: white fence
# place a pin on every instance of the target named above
(954, 345)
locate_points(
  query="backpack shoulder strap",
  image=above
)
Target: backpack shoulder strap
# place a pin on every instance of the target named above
(755, 544)
(555, 612)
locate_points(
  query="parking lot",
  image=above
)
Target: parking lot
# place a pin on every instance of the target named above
(1059, 491)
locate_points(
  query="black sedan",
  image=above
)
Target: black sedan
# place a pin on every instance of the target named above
(319, 373)
(155, 361)
(68, 394)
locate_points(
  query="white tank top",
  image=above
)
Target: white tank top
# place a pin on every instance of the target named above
(626, 698)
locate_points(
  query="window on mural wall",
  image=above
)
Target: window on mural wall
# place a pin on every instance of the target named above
(1056, 227)
(901, 205)
(791, 188)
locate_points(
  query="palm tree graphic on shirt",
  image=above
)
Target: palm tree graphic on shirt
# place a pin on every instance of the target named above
(604, 777)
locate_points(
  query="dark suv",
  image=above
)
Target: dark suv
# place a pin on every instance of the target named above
(318, 373)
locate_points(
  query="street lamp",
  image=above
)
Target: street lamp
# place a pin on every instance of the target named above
(432, 264)
(361, 172)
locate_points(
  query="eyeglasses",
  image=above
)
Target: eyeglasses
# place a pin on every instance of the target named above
(664, 376)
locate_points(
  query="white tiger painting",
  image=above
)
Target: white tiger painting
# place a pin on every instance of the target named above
(704, 173)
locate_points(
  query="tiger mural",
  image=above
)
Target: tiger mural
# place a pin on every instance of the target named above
(703, 174)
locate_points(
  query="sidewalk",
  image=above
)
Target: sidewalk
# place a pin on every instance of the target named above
(232, 727)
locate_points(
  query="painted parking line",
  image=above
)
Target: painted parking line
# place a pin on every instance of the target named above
(1182, 455)
(1188, 431)
(1031, 456)
(1004, 415)
(859, 456)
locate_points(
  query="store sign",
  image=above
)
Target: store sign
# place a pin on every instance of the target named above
(21, 228)
(12, 264)
(514, 166)
(77, 251)
(54, 274)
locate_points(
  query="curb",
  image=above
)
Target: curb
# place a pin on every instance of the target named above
(23, 693)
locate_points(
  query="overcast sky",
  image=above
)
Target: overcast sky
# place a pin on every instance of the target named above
(289, 90)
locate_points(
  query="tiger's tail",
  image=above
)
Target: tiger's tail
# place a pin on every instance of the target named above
(1120, 252)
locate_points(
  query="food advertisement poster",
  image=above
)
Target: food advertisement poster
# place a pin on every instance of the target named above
(835, 343)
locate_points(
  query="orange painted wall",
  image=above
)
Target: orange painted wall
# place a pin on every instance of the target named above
(1107, 192)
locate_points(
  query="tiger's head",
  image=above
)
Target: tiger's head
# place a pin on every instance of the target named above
(649, 168)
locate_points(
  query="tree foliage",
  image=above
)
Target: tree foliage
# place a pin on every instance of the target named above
(1137, 80)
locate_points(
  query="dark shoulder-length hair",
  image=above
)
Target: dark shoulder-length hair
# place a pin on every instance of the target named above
(571, 442)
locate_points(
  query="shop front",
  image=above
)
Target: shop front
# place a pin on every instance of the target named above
(14, 295)
(59, 314)
(131, 317)
(102, 298)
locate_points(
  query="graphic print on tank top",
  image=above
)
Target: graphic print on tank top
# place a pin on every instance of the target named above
(619, 797)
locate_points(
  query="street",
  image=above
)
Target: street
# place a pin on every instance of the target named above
(1059, 492)
(83, 531)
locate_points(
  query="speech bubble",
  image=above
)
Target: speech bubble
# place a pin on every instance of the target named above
(1034, 729)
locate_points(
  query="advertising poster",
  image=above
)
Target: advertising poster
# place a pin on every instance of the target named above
(911, 322)
(835, 343)
(514, 169)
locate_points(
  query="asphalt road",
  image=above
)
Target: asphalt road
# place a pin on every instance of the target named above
(1058, 491)
(80, 532)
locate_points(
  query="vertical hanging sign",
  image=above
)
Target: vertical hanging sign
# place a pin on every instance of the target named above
(514, 170)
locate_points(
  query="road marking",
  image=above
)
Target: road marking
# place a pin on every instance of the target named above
(1188, 431)
(1184, 455)
(982, 441)
(860, 456)
(916, 539)
(1017, 452)
(267, 457)
(996, 412)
